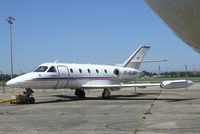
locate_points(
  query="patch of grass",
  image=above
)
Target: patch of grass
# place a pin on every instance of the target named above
(135, 131)
(147, 112)
(144, 117)
(105, 113)
(6, 113)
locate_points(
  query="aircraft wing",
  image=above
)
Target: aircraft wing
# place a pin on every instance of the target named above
(120, 85)
(168, 84)
(182, 16)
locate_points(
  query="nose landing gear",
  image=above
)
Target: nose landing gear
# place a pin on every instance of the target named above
(25, 98)
(28, 93)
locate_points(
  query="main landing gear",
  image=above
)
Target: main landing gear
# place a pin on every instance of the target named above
(80, 93)
(106, 94)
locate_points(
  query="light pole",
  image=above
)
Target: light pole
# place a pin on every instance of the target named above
(2, 81)
(10, 20)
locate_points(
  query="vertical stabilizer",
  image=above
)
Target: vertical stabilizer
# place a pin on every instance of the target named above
(135, 60)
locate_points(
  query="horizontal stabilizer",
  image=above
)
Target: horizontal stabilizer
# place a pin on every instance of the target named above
(149, 61)
(144, 61)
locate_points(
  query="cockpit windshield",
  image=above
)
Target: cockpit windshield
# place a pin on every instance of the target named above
(52, 69)
(41, 69)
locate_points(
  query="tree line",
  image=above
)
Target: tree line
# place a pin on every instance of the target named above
(6, 77)
(172, 74)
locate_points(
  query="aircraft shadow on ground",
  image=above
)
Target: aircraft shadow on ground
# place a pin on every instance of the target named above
(135, 96)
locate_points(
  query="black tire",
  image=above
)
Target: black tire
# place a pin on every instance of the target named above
(80, 93)
(31, 100)
(106, 94)
(77, 92)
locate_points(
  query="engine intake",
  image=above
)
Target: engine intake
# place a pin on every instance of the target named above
(116, 73)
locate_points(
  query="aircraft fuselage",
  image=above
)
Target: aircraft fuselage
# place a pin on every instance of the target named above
(61, 75)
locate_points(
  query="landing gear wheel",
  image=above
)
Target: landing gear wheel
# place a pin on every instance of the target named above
(31, 100)
(80, 93)
(106, 94)
(28, 93)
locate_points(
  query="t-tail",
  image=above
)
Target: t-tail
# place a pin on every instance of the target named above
(135, 60)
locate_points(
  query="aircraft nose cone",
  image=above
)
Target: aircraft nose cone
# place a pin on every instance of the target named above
(20, 81)
(10, 83)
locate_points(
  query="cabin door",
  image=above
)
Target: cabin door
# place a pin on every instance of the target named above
(63, 77)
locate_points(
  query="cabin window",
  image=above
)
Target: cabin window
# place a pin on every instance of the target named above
(80, 70)
(52, 69)
(105, 71)
(88, 70)
(71, 70)
(97, 70)
(41, 69)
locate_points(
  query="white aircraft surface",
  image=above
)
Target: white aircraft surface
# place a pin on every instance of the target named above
(182, 16)
(90, 76)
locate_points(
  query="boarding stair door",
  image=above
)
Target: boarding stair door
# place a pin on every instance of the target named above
(63, 77)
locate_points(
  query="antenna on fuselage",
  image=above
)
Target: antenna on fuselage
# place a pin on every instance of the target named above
(56, 61)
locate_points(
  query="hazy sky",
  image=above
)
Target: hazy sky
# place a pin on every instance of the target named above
(88, 31)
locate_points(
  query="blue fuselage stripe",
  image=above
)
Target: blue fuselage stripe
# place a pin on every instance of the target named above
(73, 78)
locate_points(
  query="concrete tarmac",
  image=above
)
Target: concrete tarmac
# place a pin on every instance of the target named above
(146, 111)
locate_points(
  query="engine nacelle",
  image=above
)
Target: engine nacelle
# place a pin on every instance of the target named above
(170, 84)
(116, 72)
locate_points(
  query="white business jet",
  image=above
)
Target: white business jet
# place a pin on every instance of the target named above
(89, 76)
